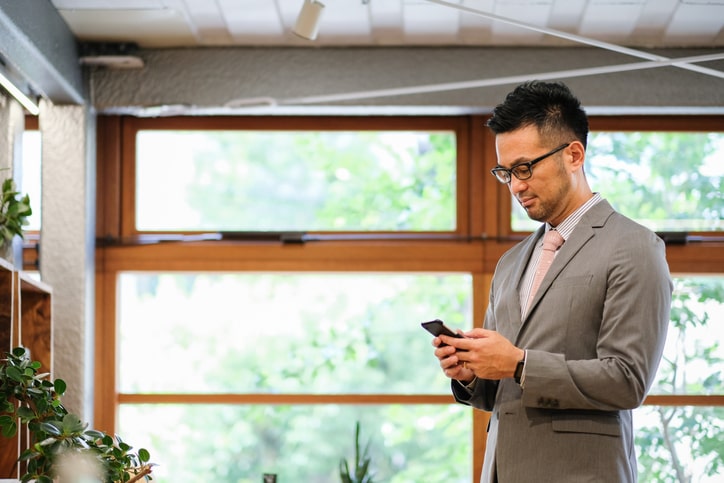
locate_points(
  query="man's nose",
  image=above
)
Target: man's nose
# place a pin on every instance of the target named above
(516, 186)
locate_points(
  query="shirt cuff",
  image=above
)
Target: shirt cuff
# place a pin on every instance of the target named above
(471, 385)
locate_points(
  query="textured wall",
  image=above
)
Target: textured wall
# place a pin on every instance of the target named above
(205, 79)
(12, 124)
(67, 245)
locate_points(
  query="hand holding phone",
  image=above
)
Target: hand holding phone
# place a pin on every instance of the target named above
(437, 327)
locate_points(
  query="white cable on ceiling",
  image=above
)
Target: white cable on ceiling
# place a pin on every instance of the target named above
(401, 91)
(652, 61)
(578, 38)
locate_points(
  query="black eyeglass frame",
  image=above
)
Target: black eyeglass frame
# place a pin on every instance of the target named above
(513, 171)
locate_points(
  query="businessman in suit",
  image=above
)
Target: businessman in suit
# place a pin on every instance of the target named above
(561, 367)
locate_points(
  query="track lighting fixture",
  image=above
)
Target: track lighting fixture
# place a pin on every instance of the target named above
(307, 24)
(30, 104)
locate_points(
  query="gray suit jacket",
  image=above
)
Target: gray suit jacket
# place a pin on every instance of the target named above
(594, 335)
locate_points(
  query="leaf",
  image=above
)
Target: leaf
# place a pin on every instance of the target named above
(10, 428)
(94, 434)
(72, 424)
(14, 373)
(60, 386)
(25, 413)
(144, 455)
(20, 353)
(51, 427)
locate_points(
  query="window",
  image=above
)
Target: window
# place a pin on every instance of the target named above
(667, 181)
(272, 350)
(317, 335)
(295, 181)
(31, 176)
(249, 354)
(680, 442)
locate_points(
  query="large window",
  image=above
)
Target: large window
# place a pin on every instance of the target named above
(321, 335)
(302, 181)
(667, 181)
(683, 443)
(231, 350)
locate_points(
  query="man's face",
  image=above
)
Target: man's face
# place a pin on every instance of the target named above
(545, 195)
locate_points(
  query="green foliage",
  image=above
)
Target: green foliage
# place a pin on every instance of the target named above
(362, 472)
(659, 178)
(60, 440)
(665, 180)
(14, 212)
(336, 181)
(678, 441)
(345, 335)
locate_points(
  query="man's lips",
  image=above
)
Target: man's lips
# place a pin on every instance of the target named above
(525, 202)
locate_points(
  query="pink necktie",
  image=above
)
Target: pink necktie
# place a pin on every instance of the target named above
(551, 242)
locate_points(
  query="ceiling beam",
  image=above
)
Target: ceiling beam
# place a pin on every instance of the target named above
(37, 45)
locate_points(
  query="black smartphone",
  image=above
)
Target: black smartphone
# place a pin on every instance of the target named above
(437, 327)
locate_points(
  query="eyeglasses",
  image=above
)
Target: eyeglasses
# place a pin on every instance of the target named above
(523, 171)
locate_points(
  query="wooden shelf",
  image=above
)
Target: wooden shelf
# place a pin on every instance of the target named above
(25, 320)
(35, 315)
(7, 289)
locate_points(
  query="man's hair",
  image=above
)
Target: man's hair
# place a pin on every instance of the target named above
(550, 106)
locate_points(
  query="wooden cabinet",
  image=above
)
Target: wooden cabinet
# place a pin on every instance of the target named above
(25, 320)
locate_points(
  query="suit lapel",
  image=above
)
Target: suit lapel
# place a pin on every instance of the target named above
(582, 233)
(516, 278)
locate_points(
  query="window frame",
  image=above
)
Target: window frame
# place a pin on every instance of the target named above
(482, 235)
(460, 125)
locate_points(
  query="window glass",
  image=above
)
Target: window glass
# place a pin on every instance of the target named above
(693, 361)
(295, 181)
(301, 443)
(336, 333)
(667, 181)
(679, 443)
(683, 443)
(30, 183)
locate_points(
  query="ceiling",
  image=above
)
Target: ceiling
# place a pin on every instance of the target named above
(371, 23)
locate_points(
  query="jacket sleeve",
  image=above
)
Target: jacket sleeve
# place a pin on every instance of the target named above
(611, 344)
(482, 396)
(483, 393)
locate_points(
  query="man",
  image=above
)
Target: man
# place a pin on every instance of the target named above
(562, 366)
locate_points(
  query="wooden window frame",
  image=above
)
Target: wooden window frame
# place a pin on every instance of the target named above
(482, 235)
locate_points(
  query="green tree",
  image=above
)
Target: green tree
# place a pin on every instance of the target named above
(659, 177)
(348, 344)
(309, 181)
(679, 440)
(663, 180)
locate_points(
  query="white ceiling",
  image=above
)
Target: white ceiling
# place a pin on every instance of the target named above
(195, 23)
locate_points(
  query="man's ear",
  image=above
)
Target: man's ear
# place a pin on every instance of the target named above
(578, 155)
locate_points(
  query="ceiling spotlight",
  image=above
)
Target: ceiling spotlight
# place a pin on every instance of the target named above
(308, 20)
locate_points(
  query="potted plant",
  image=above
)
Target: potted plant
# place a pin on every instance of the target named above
(14, 213)
(361, 471)
(61, 448)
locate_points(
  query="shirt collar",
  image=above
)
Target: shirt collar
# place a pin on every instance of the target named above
(565, 228)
